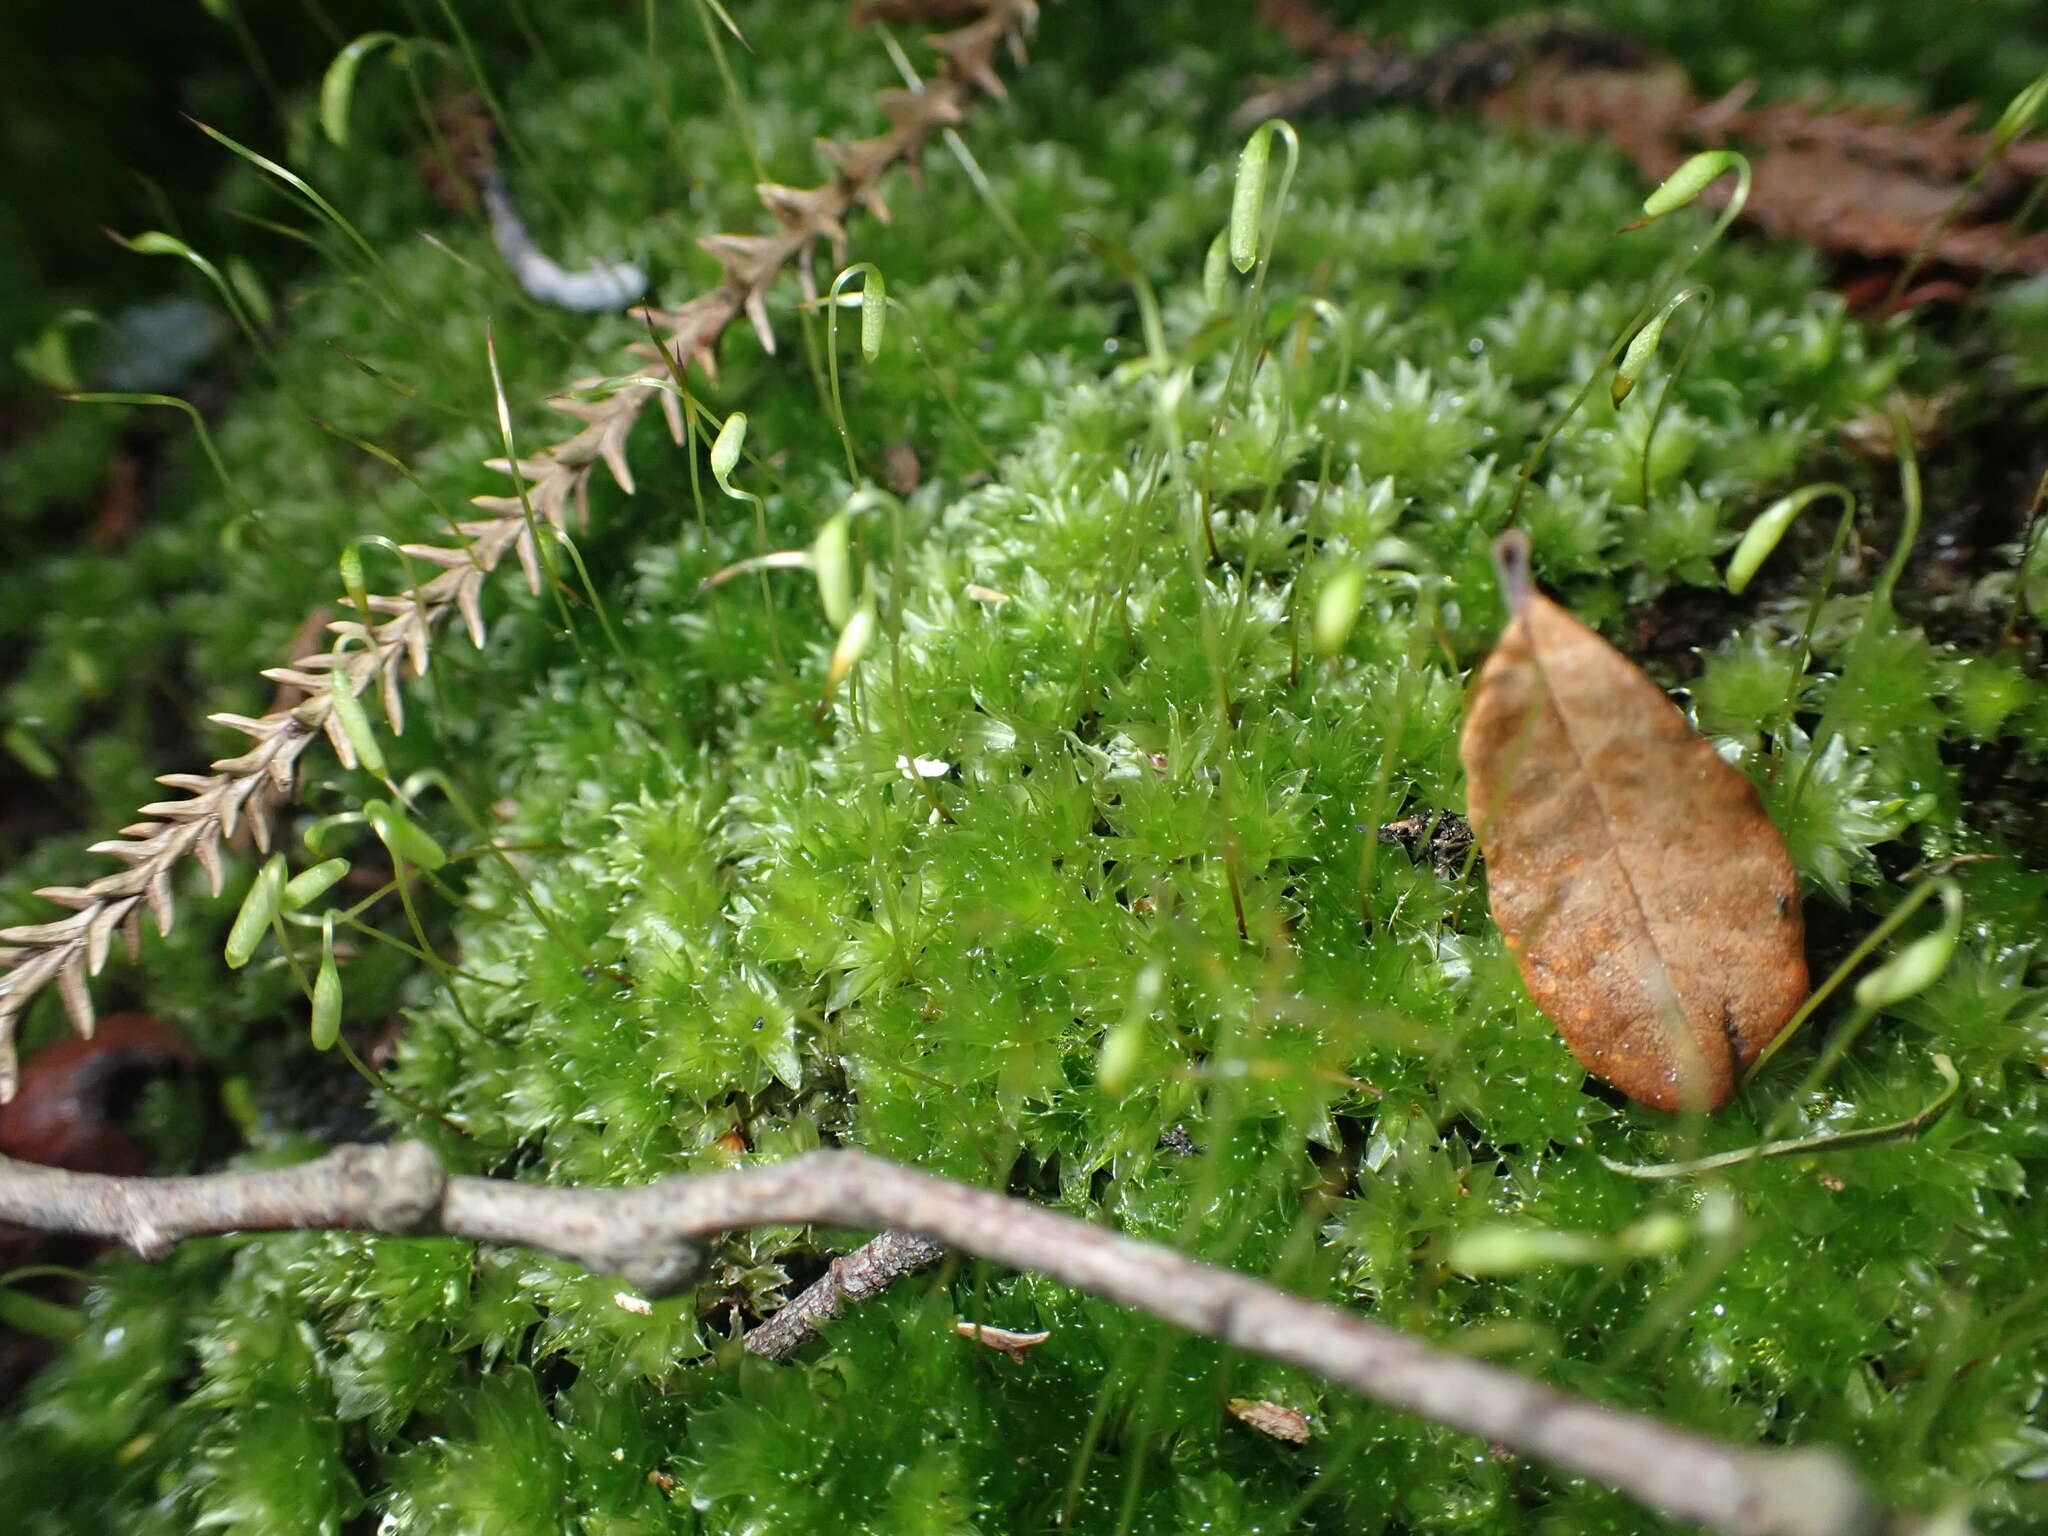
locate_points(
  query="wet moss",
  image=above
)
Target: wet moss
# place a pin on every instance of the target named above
(755, 936)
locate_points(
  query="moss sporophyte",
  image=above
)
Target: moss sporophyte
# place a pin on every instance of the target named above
(1182, 578)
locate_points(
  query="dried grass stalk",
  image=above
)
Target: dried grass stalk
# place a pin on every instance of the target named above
(248, 790)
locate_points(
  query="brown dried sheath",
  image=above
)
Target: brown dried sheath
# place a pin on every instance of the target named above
(1648, 900)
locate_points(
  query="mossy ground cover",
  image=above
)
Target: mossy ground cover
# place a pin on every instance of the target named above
(734, 926)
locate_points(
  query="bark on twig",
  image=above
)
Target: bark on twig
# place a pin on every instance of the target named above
(867, 1271)
(650, 1236)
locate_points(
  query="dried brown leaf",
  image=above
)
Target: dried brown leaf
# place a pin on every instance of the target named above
(1645, 895)
(1282, 1423)
(1848, 181)
(1017, 1346)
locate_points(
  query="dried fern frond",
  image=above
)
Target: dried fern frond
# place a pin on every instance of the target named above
(548, 487)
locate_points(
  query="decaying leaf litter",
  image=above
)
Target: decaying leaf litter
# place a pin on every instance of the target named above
(1648, 900)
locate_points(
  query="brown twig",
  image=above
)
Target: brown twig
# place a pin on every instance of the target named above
(650, 1235)
(867, 1271)
(248, 789)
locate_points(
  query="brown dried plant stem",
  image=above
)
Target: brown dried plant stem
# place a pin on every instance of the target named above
(247, 790)
(650, 1236)
(857, 1276)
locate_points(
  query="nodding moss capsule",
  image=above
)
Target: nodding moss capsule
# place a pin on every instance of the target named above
(874, 313)
(308, 886)
(1764, 533)
(258, 910)
(326, 1020)
(725, 449)
(354, 721)
(1337, 609)
(402, 836)
(1248, 197)
(832, 563)
(1121, 1048)
(1216, 270)
(1642, 346)
(351, 564)
(1919, 965)
(853, 640)
(1124, 1045)
(1689, 181)
(338, 85)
